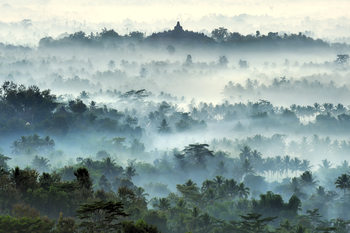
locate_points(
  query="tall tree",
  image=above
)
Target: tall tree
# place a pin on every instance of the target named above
(101, 216)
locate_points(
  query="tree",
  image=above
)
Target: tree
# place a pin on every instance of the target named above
(218, 180)
(25, 224)
(294, 205)
(104, 184)
(41, 164)
(24, 179)
(247, 168)
(23, 210)
(33, 144)
(307, 179)
(139, 36)
(84, 182)
(163, 204)
(77, 106)
(101, 216)
(130, 171)
(188, 60)
(270, 203)
(243, 192)
(243, 64)
(28, 103)
(343, 182)
(189, 190)
(65, 225)
(314, 216)
(170, 49)
(342, 59)
(3, 162)
(110, 169)
(254, 223)
(139, 227)
(220, 34)
(245, 153)
(326, 164)
(46, 180)
(164, 127)
(223, 61)
(197, 153)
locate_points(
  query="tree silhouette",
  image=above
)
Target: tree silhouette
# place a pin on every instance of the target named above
(164, 127)
(197, 153)
(343, 182)
(101, 216)
(254, 223)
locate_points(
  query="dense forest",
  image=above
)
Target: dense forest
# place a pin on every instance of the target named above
(213, 189)
(175, 132)
(219, 37)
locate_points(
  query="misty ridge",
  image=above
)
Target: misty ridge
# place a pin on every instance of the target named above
(173, 132)
(220, 38)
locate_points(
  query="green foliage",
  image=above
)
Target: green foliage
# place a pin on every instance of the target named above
(101, 216)
(25, 224)
(343, 182)
(3, 162)
(33, 144)
(77, 106)
(197, 154)
(31, 103)
(139, 227)
(254, 223)
(65, 225)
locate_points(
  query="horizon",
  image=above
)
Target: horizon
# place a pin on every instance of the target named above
(328, 21)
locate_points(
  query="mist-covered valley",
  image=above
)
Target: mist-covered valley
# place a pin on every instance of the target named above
(182, 131)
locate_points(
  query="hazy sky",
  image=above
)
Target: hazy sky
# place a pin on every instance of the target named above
(148, 10)
(324, 18)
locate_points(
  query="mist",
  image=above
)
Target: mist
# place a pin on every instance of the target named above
(230, 119)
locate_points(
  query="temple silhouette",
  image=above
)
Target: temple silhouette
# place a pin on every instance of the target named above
(178, 34)
(178, 28)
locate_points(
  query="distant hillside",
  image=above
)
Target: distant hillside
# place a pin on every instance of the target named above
(220, 37)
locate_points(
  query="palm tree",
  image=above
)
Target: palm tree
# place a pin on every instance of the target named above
(218, 180)
(286, 164)
(268, 165)
(247, 168)
(206, 185)
(257, 160)
(104, 184)
(163, 204)
(242, 191)
(230, 187)
(295, 187)
(307, 179)
(277, 164)
(343, 182)
(305, 165)
(245, 153)
(110, 169)
(326, 164)
(41, 164)
(164, 127)
(294, 184)
(296, 164)
(130, 171)
(140, 193)
(344, 167)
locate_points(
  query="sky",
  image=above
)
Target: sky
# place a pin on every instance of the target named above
(324, 19)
